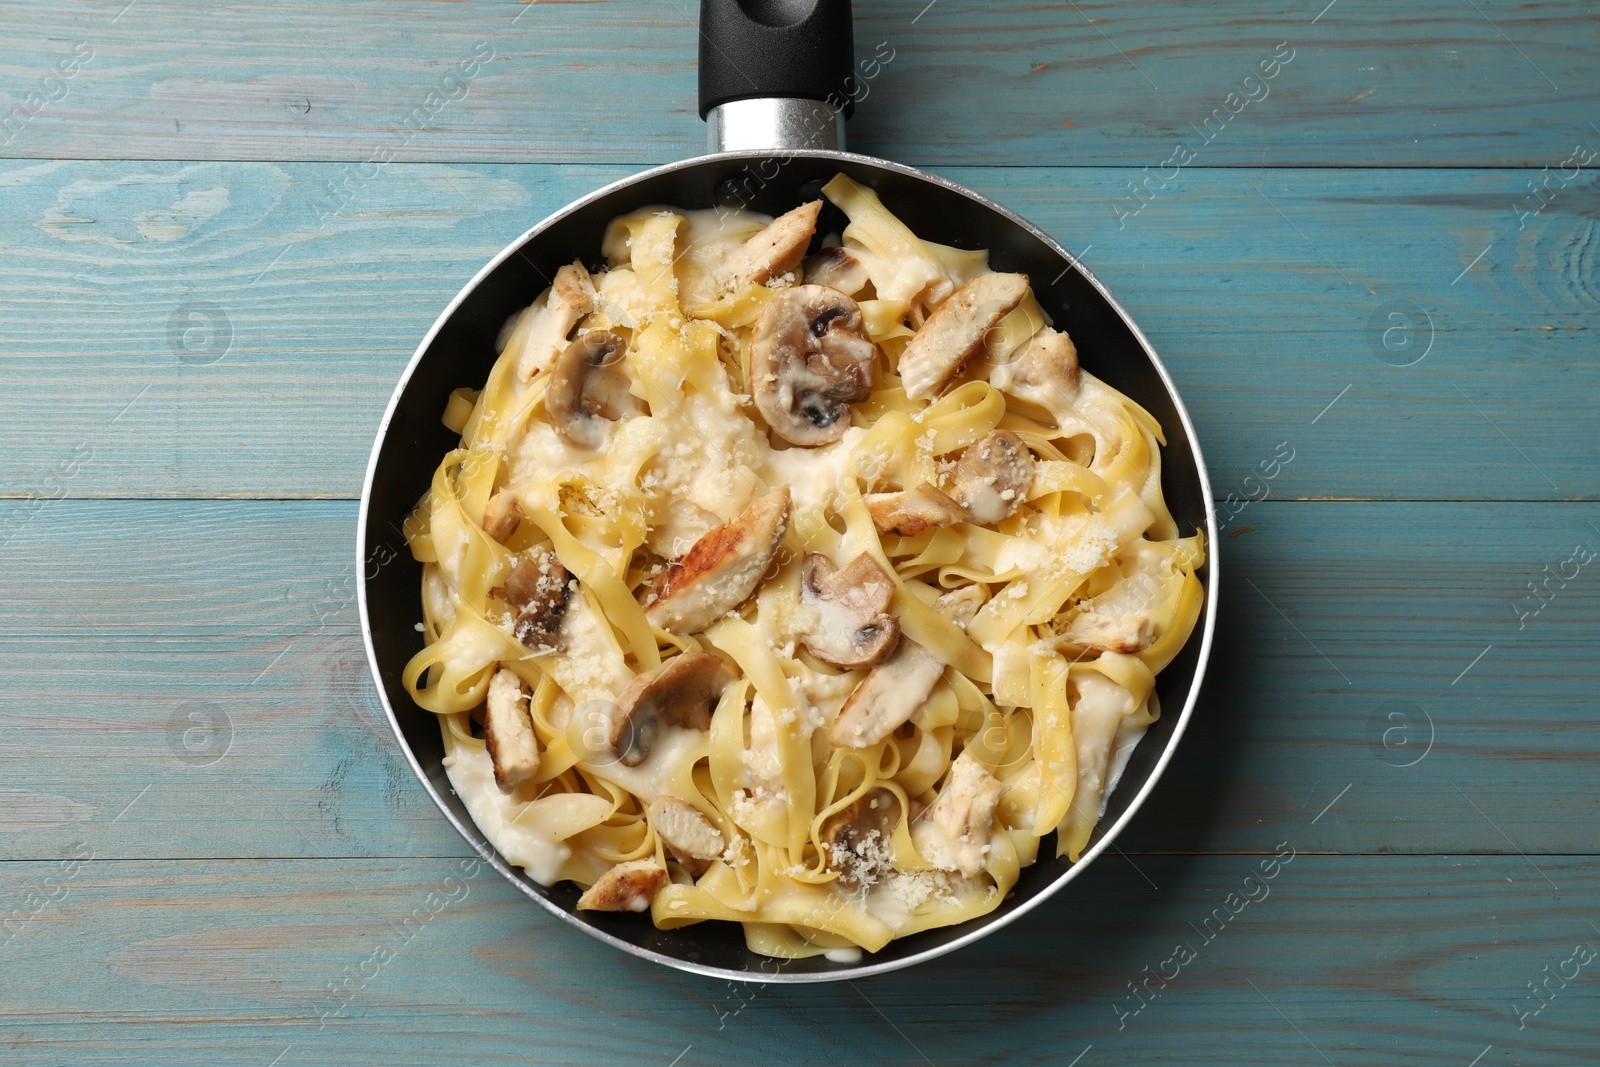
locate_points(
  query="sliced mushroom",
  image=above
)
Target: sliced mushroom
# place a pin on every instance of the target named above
(587, 385)
(502, 515)
(681, 692)
(810, 359)
(992, 477)
(910, 512)
(837, 269)
(1044, 373)
(961, 605)
(1106, 632)
(857, 837)
(508, 732)
(539, 588)
(691, 837)
(854, 628)
(721, 570)
(777, 248)
(571, 298)
(628, 886)
(886, 697)
(955, 331)
(954, 835)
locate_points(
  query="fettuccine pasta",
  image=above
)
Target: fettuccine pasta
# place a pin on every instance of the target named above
(807, 592)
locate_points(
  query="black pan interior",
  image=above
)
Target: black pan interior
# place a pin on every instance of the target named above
(462, 351)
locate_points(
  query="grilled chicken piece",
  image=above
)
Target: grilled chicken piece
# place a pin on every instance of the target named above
(721, 570)
(992, 477)
(628, 886)
(955, 331)
(508, 732)
(854, 628)
(691, 837)
(960, 605)
(588, 385)
(539, 587)
(776, 249)
(954, 834)
(912, 511)
(810, 359)
(571, 298)
(837, 269)
(681, 692)
(1044, 373)
(886, 697)
(502, 516)
(1103, 632)
(857, 837)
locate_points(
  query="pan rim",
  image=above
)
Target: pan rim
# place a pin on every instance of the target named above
(986, 924)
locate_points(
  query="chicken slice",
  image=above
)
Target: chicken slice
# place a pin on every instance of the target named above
(955, 331)
(1108, 632)
(886, 697)
(508, 732)
(691, 837)
(628, 886)
(571, 298)
(1045, 373)
(721, 570)
(777, 248)
(954, 834)
(911, 511)
(960, 605)
(502, 515)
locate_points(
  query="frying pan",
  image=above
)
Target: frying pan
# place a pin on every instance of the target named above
(777, 81)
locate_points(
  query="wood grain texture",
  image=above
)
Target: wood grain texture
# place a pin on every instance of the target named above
(1427, 84)
(247, 329)
(1345, 960)
(208, 652)
(208, 838)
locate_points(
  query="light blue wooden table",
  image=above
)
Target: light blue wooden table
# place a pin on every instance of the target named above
(1385, 259)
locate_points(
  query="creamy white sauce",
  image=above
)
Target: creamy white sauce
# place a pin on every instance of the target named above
(522, 841)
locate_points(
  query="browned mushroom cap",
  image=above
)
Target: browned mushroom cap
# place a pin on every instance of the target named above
(1045, 372)
(589, 384)
(857, 837)
(691, 837)
(810, 359)
(854, 628)
(502, 515)
(910, 512)
(837, 269)
(539, 588)
(888, 696)
(628, 886)
(721, 570)
(955, 331)
(955, 833)
(992, 477)
(508, 732)
(680, 692)
(777, 248)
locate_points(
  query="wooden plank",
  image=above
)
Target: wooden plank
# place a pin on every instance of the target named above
(1426, 84)
(258, 346)
(1346, 960)
(203, 659)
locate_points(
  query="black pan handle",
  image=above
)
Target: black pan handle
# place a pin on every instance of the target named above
(794, 49)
